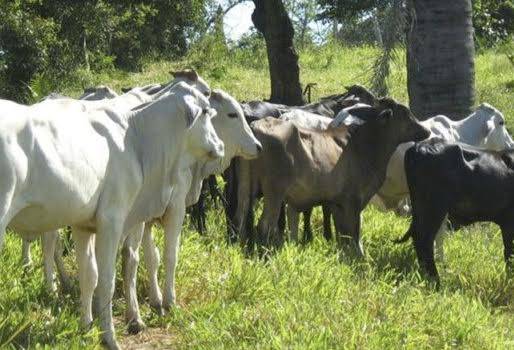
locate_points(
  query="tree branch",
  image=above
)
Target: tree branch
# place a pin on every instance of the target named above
(225, 11)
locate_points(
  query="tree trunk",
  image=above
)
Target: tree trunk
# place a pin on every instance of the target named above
(271, 19)
(440, 58)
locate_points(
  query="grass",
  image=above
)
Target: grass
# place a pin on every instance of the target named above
(302, 297)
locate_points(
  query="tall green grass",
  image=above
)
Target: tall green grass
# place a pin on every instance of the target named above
(302, 297)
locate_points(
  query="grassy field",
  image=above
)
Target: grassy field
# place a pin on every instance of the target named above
(302, 297)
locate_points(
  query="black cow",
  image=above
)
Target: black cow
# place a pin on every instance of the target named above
(458, 181)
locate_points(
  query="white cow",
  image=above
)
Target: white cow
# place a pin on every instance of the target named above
(99, 171)
(238, 138)
(52, 251)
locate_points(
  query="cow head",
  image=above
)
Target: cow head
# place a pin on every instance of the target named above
(232, 127)
(398, 122)
(495, 134)
(202, 142)
(191, 77)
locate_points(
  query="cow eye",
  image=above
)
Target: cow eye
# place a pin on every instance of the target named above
(207, 93)
(232, 115)
(502, 122)
(204, 111)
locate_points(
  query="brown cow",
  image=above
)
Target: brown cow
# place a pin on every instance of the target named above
(343, 167)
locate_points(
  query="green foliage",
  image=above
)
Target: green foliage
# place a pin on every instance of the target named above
(493, 20)
(349, 9)
(303, 14)
(302, 297)
(27, 45)
(54, 38)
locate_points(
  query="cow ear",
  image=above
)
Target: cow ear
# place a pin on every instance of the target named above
(488, 128)
(192, 110)
(192, 75)
(216, 95)
(385, 114)
(490, 125)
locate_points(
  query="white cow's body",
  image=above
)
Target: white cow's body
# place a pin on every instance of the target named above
(98, 93)
(306, 119)
(119, 103)
(98, 171)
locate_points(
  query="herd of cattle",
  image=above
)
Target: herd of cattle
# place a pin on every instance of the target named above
(110, 166)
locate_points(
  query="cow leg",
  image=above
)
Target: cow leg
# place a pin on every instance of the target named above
(424, 231)
(439, 240)
(348, 224)
(152, 260)
(269, 220)
(110, 231)
(292, 220)
(64, 278)
(88, 273)
(307, 230)
(130, 262)
(26, 257)
(200, 206)
(49, 241)
(248, 235)
(508, 246)
(281, 225)
(213, 189)
(243, 200)
(172, 221)
(230, 203)
(327, 227)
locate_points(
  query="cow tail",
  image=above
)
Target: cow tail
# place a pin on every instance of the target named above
(405, 237)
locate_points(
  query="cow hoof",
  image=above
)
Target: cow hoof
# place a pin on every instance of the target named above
(157, 309)
(169, 307)
(110, 343)
(135, 326)
(86, 325)
(52, 289)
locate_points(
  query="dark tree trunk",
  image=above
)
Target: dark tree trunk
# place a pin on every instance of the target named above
(271, 19)
(440, 58)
